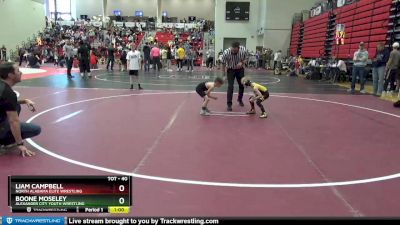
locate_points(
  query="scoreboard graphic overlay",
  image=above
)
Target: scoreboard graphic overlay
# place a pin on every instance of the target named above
(75, 194)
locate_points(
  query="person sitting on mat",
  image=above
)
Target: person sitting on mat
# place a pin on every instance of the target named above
(204, 89)
(12, 130)
(260, 94)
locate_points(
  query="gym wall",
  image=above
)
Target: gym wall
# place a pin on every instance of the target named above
(279, 17)
(184, 8)
(226, 30)
(20, 19)
(128, 7)
(87, 7)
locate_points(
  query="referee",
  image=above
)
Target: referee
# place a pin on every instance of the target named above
(234, 58)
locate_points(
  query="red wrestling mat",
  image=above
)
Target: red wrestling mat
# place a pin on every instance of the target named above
(316, 155)
(29, 73)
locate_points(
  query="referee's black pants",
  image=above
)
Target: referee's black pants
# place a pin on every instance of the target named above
(70, 62)
(232, 74)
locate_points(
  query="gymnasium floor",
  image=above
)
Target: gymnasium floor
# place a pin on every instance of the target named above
(321, 152)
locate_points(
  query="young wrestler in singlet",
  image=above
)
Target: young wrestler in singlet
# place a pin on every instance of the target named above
(260, 94)
(204, 90)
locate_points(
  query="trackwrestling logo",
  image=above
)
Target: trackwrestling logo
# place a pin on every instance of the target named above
(32, 220)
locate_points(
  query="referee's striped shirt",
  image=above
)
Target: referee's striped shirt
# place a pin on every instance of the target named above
(231, 60)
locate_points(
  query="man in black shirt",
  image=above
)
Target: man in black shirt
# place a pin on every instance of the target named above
(146, 54)
(3, 53)
(110, 58)
(21, 53)
(12, 131)
(84, 61)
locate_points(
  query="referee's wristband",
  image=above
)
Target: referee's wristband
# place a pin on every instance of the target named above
(21, 143)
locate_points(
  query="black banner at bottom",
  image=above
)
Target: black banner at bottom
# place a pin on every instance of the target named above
(211, 221)
(19, 220)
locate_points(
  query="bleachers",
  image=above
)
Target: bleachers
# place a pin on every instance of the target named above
(196, 44)
(315, 31)
(139, 38)
(296, 39)
(365, 20)
(184, 36)
(164, 37)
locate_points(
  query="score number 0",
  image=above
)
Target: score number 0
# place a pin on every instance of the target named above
(121, 188)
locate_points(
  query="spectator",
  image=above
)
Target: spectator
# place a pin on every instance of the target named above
(264, 58)
(22, 54)
(93, 61)
(187, 46)
(219, 60)
(84, 59)
(12, 130)
(69, 57)
(176, 38)
(118, 54)
(277, 59)
(133, 60)
(210, 58)
(164, 57)
(180, 57)
(33, 61)
(260, 59)
(56, 58)
(190, 56)
(392, 70)
(124, 60)
(110, 57)
(146, 54)
(253, 60)
(130, 38)
(150, 39)
(359, 63)
(299, 65)
(378, 69)
(169, 58)
(268, 57)
(155, 54)
(3, 53)
(341, 66)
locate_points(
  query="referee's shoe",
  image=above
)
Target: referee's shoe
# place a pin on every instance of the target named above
(229, 108)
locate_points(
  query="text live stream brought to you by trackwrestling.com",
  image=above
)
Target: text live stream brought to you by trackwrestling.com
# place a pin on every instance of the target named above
(42, 220)
(17, 220)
